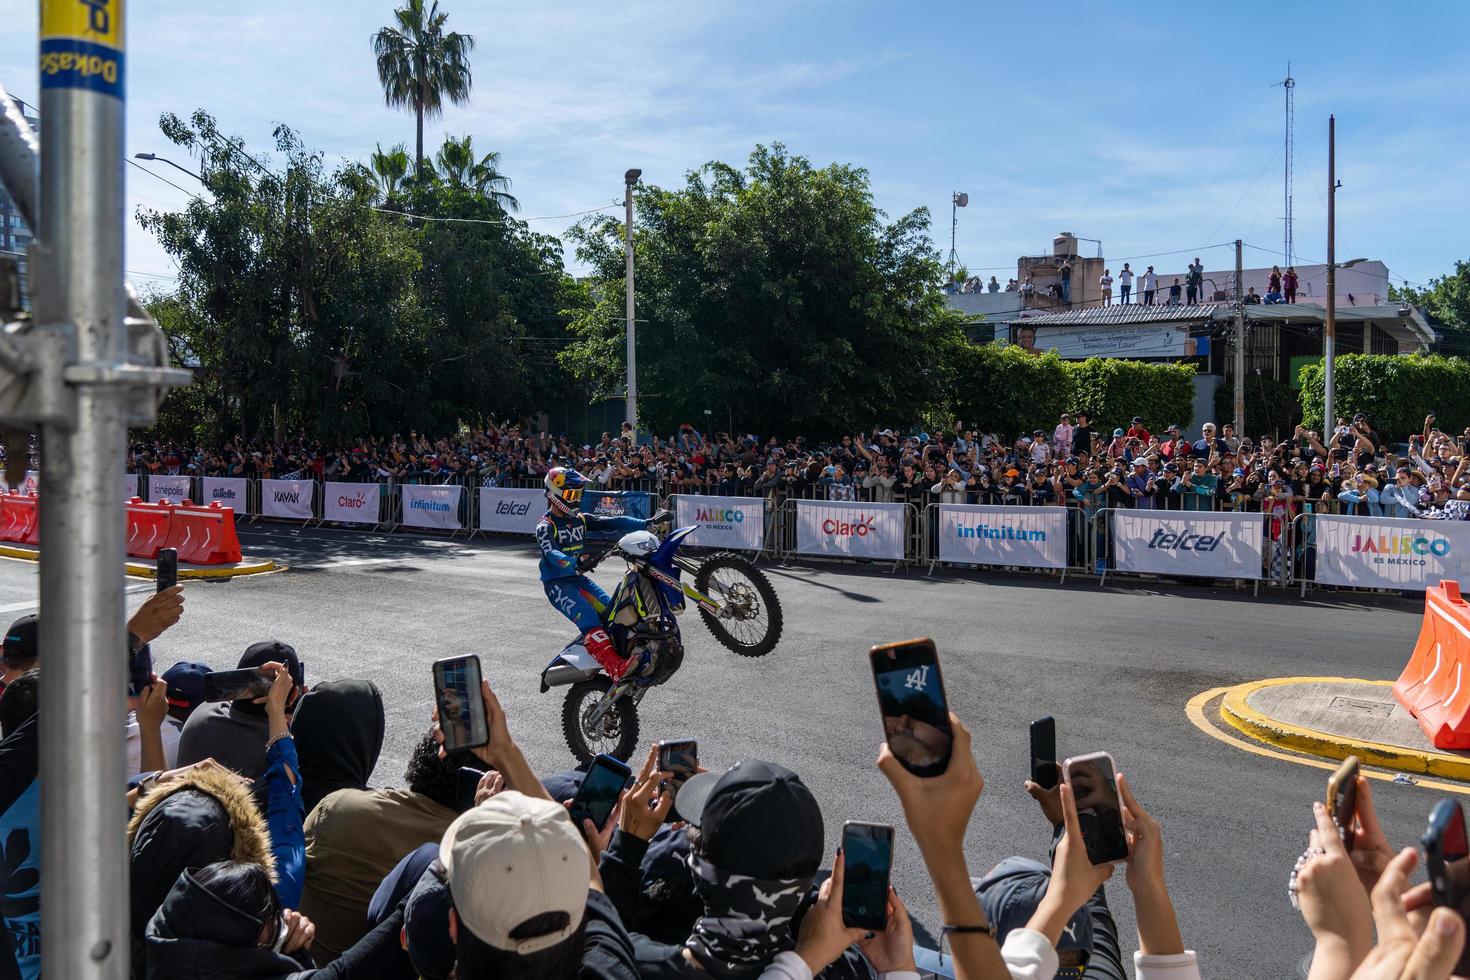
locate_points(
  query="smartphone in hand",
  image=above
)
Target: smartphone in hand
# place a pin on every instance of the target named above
(461, 705)
(1342, 798)
(679, 756)
(1094, 785)
(913, 706)
(1044, 771)
(168, 569)
(237, 685)
(867, 855)
(599, 792)
(1447, 860)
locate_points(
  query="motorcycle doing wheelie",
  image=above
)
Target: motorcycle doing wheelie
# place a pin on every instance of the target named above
(734, 598)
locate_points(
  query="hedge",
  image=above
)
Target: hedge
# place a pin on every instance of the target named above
(1001, 388)
(1270, 406)
(1395, 391)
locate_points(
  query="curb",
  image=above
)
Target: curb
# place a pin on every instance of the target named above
(1241, 716)
(246, 567)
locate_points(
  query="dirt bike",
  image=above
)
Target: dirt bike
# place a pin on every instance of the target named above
(734, 598)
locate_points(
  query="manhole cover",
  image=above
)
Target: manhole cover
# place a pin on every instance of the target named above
(1357, 706)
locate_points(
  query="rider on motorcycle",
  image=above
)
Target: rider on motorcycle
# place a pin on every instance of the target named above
(561, 533)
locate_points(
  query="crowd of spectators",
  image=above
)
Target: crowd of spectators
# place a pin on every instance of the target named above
(257, 849)
(1076, 463)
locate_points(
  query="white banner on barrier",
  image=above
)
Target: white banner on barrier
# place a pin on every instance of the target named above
(510, 509)
(850, 530)
(1209, 545)
(1030, 537)
(351, 503)
(436, 507)
(1386, 552)
(169, 489)
(737, 523)
(227, 491)
(130, 485)
(290, 499)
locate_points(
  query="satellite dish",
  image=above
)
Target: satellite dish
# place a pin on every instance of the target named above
(961, 199)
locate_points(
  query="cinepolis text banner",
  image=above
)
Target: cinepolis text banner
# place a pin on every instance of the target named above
(351, 503)
(1386, 552)
(436, 507)
(850, 530)
(290, 499)
(1030, 537)
(228, 491)
(511, 510)
(169, 489)
(1211, 545)
(737, 523)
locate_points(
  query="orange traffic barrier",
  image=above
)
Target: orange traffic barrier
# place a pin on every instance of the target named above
(1435, 684)
(147, 528)
(204, 535)
(20, 519)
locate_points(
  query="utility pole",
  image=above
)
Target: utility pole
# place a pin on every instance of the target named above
(957, 200)
(1239, 348)
(81, 369)
(629, 179)
(1329, 331)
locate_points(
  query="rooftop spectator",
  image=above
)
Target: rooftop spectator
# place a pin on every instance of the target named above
(1125, 284)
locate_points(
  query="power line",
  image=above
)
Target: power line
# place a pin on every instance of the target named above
(162, 178)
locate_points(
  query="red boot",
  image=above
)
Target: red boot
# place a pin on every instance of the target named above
(600, 645)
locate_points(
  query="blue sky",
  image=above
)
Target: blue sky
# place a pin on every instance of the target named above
(1153, 128)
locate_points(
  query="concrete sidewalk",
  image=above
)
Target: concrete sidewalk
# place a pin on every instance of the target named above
(1337, 717)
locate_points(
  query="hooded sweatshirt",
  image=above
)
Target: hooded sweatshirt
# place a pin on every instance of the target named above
(338, 729)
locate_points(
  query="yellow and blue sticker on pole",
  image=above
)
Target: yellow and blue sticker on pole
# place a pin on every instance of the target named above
(82, 45)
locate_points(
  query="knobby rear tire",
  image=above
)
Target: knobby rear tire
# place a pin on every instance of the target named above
(769, 602)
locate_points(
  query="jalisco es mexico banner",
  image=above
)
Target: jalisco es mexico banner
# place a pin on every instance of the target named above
(510, 509)
(722, 522)
(1031, 537)
(169, 489)
(290, 499)
(1211, 545)
(436, 507)
(852, 530)
(228, 490)
(351, 503)
(1386, 552)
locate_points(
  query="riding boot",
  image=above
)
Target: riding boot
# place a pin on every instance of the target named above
(600, 645)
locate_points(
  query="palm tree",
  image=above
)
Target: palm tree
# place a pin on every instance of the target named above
(458, 166)
(390, 168)
(419, 65)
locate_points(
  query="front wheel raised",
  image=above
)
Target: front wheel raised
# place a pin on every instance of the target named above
(615, 733)
(749, 620)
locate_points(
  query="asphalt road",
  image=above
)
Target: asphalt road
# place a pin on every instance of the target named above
(1115, 666)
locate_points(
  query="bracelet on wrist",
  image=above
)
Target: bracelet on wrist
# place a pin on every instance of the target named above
(276, 738)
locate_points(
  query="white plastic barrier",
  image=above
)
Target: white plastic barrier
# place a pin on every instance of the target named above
(435, 507)
(511, 510)
(850, 530)
(1387, 552)
(1216, 544)
(289, 499)
(169, 489)
(229, 491)
(130, 486)
(351, 503)
(730, 523)
(980, 534)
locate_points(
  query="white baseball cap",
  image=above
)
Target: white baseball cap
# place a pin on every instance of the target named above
(513, 858)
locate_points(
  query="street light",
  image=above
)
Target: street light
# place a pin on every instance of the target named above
(629, 179)
(154, 156)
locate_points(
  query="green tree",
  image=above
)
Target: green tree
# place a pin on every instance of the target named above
(389, 168)
(1446, 302)
(458, 166)
(776, 295)
(420, 65)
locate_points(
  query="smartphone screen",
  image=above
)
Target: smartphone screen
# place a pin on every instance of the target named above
(680, 757)
(1447, 859)
(912, 703)
(1044, 753)
(599, 791)
(461, 705)
(236, 685)
(168, 569)
(1095, 788)
(1342, 798)
(867, 854)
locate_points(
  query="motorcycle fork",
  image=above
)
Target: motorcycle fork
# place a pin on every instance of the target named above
(623, 688)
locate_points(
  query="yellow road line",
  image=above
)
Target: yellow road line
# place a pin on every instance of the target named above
(149, 571)
(1195, 710)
